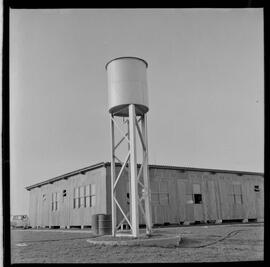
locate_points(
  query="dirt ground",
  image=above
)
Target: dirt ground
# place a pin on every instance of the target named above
(203, 243)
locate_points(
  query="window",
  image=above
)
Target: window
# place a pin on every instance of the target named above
(90, 195)
(64, 193)
(43, 197)
(128, 199)
(84, 196)
(81, 192)
(128, 193)
(54, 201)
(197, 196)
(76, 198)
(93, 195)
(256, 188)
(160, 193)
(237, 194)
(197, 199)
(87, 196)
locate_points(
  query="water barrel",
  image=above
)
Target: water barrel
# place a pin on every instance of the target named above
(95, 224)
(105, 224)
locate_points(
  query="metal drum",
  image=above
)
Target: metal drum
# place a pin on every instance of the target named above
(95, 224)
(105, 224)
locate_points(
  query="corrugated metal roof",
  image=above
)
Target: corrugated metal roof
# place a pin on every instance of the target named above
(151, 166)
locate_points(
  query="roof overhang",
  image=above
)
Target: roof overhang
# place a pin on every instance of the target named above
(151, 166)
(67, 175)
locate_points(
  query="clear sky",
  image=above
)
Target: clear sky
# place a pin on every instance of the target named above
(205, 79)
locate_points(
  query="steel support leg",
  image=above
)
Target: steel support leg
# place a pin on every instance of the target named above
(147, 191)
(113, 179)
(133, 172)
(136, 202)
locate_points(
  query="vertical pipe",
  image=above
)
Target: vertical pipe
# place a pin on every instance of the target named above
(146, 181)
(133, 172)
(129, 171)
(113, 178)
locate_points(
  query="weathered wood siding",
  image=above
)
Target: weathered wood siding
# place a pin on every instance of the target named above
(40, 208)
(224, 196)
(217, 190)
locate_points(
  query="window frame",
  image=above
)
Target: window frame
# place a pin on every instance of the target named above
(197, 201)
(257, 188)
(236, 195)
(87, 196)
(84, 196)
(197, 192)
(64, 193)
(161, 194)
(93, 195)
(55, 201)
(76, 203)
(81, 196)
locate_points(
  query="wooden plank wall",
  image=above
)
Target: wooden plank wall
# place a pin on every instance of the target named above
(217, 191)
(216, 188)
(217, 196)
(40, 210)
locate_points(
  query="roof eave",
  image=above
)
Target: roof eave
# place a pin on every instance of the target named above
(60, 177)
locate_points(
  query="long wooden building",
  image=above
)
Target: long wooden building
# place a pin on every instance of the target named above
(179, 195)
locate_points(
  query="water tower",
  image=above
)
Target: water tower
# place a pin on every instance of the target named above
(128, 99)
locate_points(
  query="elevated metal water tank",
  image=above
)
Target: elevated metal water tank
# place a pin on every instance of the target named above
(127, 84)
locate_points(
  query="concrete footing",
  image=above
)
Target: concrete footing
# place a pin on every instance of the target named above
(186, 223)
(164, 241)
(218, 221)
(244, 220)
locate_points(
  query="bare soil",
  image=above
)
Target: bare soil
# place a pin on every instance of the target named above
(206, 243)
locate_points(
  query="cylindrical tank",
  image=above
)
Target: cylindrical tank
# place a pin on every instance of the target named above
(105, 224)
(127, 84)
(94, 225)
